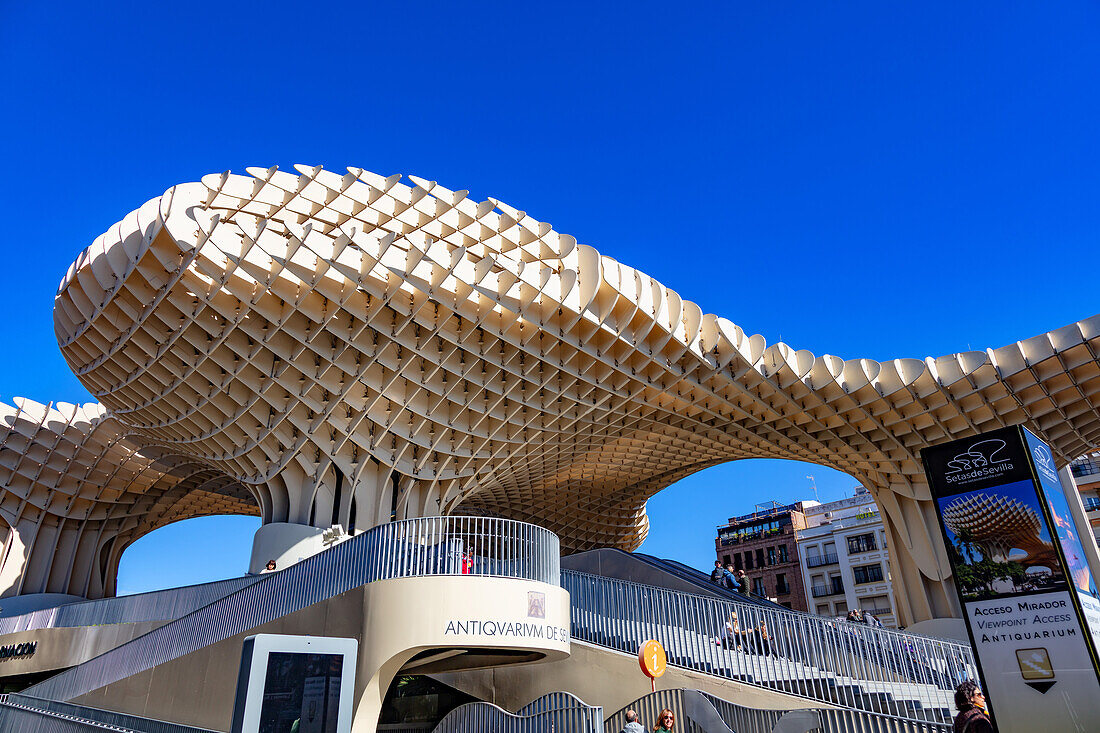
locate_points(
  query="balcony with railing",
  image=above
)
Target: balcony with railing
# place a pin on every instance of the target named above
(1092, 503)
(1087, 466)
(835, 588)
(829, 558)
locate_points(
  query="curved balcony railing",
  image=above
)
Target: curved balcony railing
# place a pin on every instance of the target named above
(560, 712)
(409, 548)
(462, 546)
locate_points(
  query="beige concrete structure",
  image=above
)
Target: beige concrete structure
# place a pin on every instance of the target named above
(352, 348)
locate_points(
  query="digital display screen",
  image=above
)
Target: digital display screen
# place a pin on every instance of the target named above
(301, 693)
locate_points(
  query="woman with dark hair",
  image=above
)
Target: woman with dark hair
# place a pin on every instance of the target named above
(970, 702)
(665, 721)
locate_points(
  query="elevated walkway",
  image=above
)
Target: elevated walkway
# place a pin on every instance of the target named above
(821, 660)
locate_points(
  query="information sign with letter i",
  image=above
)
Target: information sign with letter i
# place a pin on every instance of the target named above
(1028, 596)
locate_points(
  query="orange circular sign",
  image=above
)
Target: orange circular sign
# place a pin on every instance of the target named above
(651, 658)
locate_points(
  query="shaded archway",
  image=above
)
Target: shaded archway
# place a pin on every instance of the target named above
(78, 490)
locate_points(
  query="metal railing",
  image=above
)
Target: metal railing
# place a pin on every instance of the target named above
(560, 712)
(1085, 466)
(91, 718)
(834, 662)
(699, 711)
(463, 546)
(1092, 503)
(155, 606)
(829, 558)
(822, 591)
(19, 719)
(412, 547)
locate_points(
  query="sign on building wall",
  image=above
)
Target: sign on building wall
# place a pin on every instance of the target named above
(1029, 599)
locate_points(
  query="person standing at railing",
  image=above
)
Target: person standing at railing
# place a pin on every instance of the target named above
(718, 573)
(730, 580)
(632, 724)
(665, 720)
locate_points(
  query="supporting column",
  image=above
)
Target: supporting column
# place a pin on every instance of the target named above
(285, 543)
(1080, 519)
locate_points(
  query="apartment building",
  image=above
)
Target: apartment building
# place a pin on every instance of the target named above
(844, 560)
(763, 545)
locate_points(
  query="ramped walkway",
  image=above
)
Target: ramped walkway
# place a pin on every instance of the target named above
(849, 665)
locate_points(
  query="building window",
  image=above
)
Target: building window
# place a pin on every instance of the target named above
(783, 556)
(758, 586)
(816, 561)
(862, 543)
(760, 557)
(781, 585)
(737, 561)
(748, 560)
(771, 556)
(877, 606)
(725, 560)
(867, 573)
(1086, 466)
(823, 609)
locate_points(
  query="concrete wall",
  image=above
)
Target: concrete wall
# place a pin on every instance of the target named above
(66, 647)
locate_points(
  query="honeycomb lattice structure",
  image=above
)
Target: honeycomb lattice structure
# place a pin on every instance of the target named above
(353, 347)
(77, 492)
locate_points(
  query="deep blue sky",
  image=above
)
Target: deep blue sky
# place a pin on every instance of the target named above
(857, 179)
